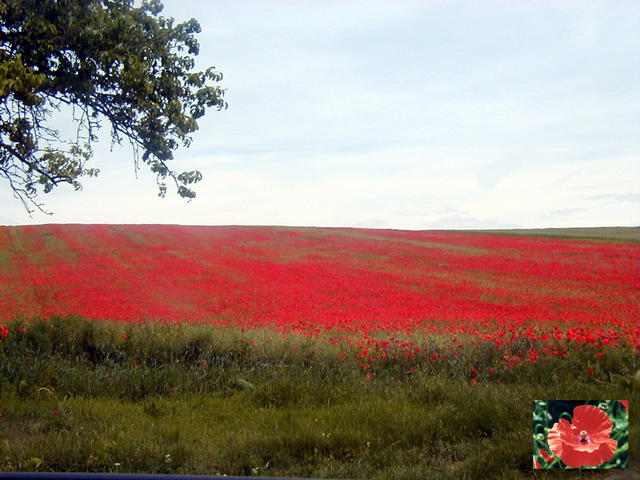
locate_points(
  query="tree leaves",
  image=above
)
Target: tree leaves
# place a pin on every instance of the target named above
(112, 62)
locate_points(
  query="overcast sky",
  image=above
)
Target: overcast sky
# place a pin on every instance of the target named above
(404, 114)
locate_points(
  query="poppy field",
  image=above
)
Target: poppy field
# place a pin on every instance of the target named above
(313, 352)
(313, 281)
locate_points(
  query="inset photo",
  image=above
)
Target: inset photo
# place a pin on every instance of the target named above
(586, 434)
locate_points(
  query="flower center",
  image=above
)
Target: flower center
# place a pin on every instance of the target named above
(583, 436)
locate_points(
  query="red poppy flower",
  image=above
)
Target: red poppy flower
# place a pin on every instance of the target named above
(625, 403)
(4, 331)
(584, 442)
(546, 456)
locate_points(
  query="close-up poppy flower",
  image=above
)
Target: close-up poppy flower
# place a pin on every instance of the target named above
(586, 441)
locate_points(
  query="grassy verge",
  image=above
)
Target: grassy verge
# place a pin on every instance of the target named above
(82, 396)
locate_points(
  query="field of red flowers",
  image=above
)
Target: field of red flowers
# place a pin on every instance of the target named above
(326, 280)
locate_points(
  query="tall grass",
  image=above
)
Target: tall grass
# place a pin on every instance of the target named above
(77, 395)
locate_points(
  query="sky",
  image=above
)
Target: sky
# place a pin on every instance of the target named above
(406, 114)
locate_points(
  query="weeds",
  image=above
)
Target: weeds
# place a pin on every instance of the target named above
(77, 395)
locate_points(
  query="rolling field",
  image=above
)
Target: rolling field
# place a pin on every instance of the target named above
(325, 352)
(315, 280)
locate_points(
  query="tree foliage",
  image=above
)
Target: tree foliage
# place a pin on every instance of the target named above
(104, 61)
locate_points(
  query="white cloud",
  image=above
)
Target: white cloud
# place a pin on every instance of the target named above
(398, 114)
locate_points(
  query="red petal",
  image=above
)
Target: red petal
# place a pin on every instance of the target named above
(558, 435)
(594, 421)
(578, 458)
(545, 455)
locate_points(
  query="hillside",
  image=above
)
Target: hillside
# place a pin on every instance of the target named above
(313, 352)
(315, 279)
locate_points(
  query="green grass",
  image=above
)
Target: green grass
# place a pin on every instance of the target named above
(597, 234)
(140, 398)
